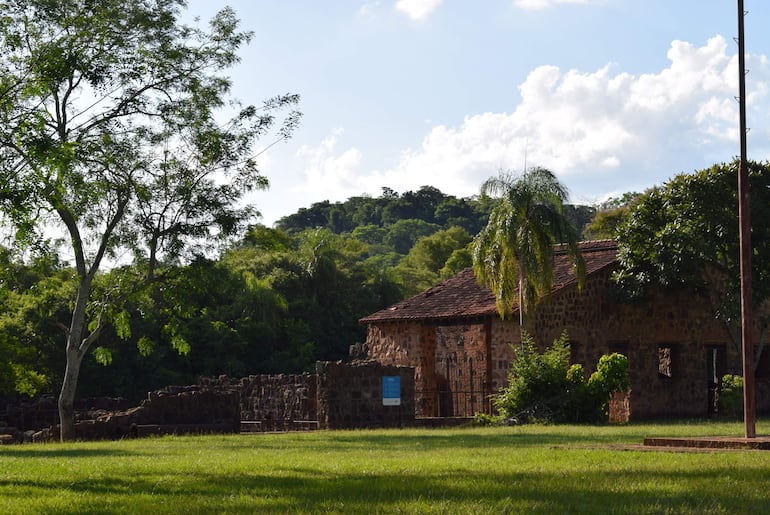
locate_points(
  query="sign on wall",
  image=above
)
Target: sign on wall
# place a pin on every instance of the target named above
(391, 391)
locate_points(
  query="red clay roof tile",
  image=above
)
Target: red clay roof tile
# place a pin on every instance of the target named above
(462, 297)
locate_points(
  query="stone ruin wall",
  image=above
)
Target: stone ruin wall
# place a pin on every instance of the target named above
(277, 402)
(174, 409)
(666, 339)
(340, 396)
(350, 395)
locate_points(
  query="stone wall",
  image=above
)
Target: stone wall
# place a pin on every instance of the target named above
(276, 402)
(666, 339)
(339, 396)
(174, 409)
(674, 345)
(462, 369)
(408, 344)
(350, 395)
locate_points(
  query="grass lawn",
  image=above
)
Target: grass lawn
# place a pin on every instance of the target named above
(529, 469)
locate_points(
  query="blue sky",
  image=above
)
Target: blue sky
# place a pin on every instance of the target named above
(611, 95)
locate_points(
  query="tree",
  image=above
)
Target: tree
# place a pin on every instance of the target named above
(112, 129)
(685, 235)
(609, 216)
(423, 266)
(513, 254)
(403, 234)
(32, 302)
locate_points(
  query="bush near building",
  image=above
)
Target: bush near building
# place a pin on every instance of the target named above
(544, 387)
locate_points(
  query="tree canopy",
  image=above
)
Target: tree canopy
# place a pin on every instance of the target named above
(685, 234)
(117, 130)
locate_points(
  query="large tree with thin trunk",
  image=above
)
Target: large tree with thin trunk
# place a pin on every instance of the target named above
(684, 234)
(514, 254)
(118, 130)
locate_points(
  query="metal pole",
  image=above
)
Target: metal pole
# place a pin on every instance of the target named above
(744, 222)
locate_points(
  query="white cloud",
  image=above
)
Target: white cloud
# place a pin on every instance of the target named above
(533, 5)
(328, 174)
(418, 10)
(600, 131)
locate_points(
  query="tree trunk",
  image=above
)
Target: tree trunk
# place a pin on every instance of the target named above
(522, 300)
(67, 394)
(76, 349)
(521, 306)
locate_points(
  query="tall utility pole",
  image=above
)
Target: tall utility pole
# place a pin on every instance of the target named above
(744, 221)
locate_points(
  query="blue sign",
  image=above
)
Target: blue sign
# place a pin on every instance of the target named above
(391, 391)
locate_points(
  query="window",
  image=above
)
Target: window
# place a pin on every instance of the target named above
(575, 352)
(664, 360)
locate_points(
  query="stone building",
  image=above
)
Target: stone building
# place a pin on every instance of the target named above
(461, 349)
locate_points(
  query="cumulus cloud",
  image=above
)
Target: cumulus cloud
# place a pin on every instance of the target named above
(545, 4)
(601, 131)
(418, 10)
(327, 173)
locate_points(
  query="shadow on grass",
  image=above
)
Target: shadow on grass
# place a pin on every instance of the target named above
(591, 491)
(30, 451)
(433, 439)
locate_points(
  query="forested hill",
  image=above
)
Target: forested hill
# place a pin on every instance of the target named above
(275, 301)
(435, 210)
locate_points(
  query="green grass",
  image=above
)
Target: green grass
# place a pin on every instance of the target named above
(530, 469)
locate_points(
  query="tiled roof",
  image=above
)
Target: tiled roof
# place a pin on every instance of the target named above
(462, 297)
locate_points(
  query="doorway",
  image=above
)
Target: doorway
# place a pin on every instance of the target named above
(715, 369)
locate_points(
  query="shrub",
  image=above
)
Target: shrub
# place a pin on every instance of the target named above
(731, 396)
(611, 376)
(537, 383)
(484, 419)
(544, 387)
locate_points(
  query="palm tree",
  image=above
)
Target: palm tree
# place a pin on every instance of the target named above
(513, 255)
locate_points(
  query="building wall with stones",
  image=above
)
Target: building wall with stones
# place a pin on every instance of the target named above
(350, 395)
(451, 363)
(677, 351)
(408, 344)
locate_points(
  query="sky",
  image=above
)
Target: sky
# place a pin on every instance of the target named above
(611, 95)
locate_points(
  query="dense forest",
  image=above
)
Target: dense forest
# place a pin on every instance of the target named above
(274, 301)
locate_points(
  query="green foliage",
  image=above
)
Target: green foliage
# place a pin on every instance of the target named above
(731, 396)
(27, 381)
(426, 263)
(544, 387)
(102, 355)
(33, 312)
(369, 219)
(537, 383)
(609, 216)
(485, 419)
(612, 374)
(684, 234)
